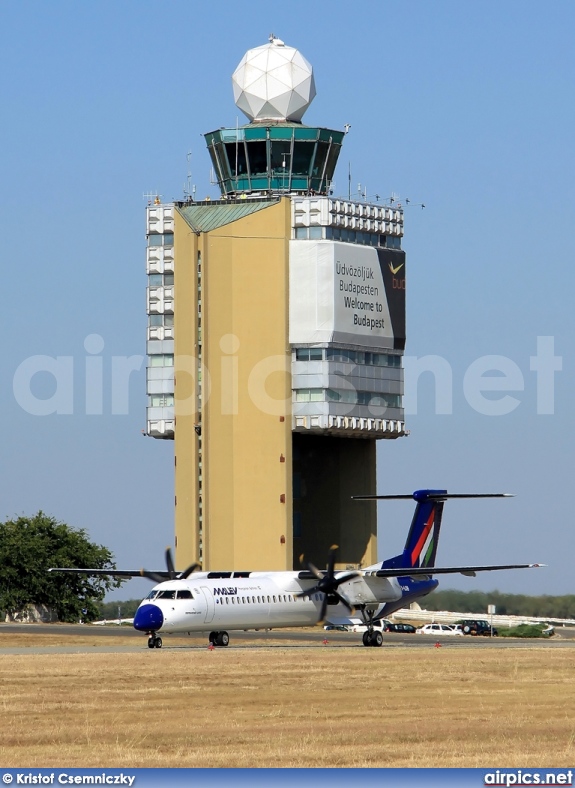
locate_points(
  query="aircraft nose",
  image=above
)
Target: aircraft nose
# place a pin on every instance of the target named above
(148, 618)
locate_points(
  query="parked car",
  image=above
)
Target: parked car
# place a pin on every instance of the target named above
(341, 628)
(399, 628)
(438, 629)
(477, 626)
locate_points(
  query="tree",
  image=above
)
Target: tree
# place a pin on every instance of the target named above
(506, 604)
(109, 610)
(29, 546)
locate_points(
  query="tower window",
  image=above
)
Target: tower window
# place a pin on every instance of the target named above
(309, 354)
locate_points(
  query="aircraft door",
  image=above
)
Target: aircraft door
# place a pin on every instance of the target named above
(210, 606)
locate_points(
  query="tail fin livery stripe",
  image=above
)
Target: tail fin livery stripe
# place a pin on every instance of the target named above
(428, 551)
(431, 550)
(422, 538)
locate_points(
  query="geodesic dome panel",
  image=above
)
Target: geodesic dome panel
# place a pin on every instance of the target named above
(273, 82)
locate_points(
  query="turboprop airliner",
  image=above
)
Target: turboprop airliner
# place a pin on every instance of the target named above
(217, 602)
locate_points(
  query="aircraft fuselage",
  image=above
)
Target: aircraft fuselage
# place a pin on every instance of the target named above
(260, 601)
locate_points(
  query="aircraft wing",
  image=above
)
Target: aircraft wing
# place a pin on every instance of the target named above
(428, 571)
(111, 572)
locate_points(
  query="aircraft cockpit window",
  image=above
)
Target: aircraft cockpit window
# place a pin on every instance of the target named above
(185, 594)
(152, 595)
(167, 595)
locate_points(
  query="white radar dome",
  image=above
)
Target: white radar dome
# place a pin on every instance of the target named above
(273, 82)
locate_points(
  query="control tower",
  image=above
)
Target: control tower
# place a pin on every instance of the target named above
(276, 329)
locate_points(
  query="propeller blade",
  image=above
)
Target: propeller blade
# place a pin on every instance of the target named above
(310, 592)
(192, 568)
(315, 571)
(152, 576)
(323, 609)
(170, 564)
(346, 577)
(331, 559)
(344, 602)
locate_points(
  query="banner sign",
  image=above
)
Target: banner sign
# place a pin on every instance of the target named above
(346, 294)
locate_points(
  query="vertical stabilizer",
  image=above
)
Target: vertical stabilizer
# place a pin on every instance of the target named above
(421, 544)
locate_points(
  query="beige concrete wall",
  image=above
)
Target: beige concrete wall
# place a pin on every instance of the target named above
(246, 426)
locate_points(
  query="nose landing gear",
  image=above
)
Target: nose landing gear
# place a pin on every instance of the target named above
(219, 638)
(154, 641)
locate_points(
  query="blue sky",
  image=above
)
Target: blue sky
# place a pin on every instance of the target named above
(466, 107)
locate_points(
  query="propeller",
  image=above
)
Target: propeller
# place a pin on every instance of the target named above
(328, 583)
(171, 574)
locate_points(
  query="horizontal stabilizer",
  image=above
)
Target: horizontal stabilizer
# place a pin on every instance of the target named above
(429, 495)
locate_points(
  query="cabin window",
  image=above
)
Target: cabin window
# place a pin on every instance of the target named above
(274, 599)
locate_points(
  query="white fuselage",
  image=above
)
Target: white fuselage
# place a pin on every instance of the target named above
(264, 600)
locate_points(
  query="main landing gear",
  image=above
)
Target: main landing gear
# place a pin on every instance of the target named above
(154, 641)
(372, 637)
(219, 638)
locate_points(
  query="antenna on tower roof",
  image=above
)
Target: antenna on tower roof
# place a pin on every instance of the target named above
(349, 181)
(189, 190)
(415, 205)
(152, 197)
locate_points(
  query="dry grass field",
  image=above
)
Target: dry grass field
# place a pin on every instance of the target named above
(261, 707)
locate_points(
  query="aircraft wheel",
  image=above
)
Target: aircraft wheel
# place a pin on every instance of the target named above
(376, 639)
(158, 643)
(213, 636)
(366, 639)
(222, 639)
(151, 642)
